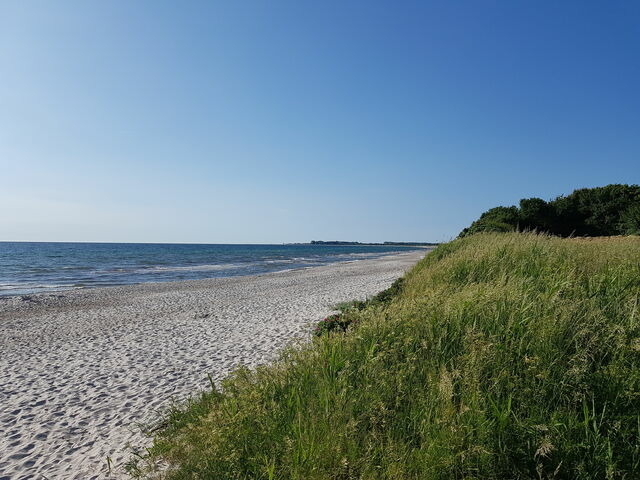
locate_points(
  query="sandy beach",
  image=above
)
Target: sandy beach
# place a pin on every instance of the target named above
(80, 369)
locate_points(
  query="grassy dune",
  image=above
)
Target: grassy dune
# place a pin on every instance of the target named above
(501, 356)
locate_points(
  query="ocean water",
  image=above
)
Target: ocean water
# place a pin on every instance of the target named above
(27, 267)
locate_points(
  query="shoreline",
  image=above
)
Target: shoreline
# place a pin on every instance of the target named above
(236, 270)
(173, 285)
(81, 367)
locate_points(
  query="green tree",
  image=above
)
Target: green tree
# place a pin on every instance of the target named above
(596, 211)
(536, 214)
(630, 223)
(497, 219)
(601, 211)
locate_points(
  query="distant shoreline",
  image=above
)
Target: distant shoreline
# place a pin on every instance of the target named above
(383, 244)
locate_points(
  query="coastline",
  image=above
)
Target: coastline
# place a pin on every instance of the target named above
(31, 268)
(81, 368)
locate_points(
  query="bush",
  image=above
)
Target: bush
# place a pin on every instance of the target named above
(332, 324)
(340, 322)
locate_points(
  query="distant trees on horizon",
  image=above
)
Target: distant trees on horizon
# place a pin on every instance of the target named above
(602, 211)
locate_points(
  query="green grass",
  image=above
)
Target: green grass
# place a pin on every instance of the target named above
(499, 356)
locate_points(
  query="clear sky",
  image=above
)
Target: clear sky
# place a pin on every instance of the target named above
(285, 121)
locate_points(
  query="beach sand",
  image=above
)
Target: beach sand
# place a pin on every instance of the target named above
(80, 369)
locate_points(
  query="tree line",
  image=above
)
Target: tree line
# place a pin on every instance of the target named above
(601, 211)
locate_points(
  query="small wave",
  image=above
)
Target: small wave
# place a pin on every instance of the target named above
(192, 268)
(18, 286)
(30, 285)
(359, 255)
(312, 259)
(27, 288)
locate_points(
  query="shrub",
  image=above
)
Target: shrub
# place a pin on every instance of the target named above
(339, 323)
(332, 324)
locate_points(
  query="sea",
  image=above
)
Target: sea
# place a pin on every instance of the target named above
(30, 267)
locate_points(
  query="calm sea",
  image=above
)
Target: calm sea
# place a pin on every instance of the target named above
(40, 267)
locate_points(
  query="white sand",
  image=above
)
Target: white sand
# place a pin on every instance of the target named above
(79, 370)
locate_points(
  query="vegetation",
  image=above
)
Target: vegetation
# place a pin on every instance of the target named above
(341, 322)
(602, 211)
(498, 356)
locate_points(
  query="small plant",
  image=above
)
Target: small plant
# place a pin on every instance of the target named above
(333, 323)
(385, 296)
(340, 322)
(382, 298)
(344, 307)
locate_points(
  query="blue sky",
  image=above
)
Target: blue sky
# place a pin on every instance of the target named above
(231, 122)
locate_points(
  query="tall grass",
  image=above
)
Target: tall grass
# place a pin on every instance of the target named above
(501, 356)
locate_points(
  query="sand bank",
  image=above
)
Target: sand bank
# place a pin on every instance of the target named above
(79, 369)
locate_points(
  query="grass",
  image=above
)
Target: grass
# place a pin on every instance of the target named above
(498, 356)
